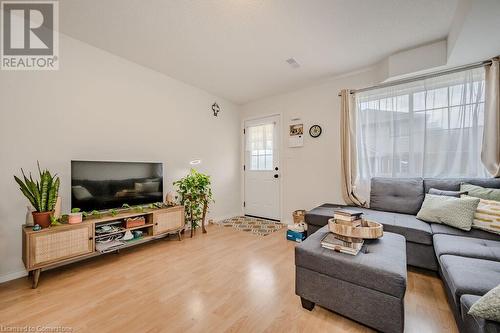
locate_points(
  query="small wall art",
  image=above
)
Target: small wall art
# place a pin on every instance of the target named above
(296, 135)
(216, 109)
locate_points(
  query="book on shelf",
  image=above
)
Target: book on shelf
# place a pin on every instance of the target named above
(342, 244)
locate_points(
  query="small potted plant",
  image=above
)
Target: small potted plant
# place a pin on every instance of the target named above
(76, 216)
(42, 194)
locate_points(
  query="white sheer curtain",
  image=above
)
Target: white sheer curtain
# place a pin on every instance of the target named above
(426, 128)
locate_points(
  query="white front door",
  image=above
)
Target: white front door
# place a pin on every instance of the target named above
(262, 167)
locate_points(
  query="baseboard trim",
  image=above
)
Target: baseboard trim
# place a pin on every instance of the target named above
(12, 276)
(225, 217)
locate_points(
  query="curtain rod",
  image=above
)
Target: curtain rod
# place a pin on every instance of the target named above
(424, 76)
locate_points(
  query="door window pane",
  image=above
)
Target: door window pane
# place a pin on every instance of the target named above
(259, 147)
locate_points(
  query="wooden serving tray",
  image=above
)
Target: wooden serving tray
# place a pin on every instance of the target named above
(368, 229)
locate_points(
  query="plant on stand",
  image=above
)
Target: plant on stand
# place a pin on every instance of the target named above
(42, 194)
(195, 193)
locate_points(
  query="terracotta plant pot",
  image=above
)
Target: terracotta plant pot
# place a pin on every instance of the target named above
(42, 219)
(74, 218)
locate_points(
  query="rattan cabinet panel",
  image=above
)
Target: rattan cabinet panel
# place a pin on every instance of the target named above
(62, 244)
(166, 221)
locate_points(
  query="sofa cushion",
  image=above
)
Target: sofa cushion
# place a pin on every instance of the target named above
(473, 276)
(466, 247)
(488, 306)
(381, 268)
(473, 233)
(399, 195)
(473, 323)
(453, 184)
(466, 302)
(413, 229)
(320, 215)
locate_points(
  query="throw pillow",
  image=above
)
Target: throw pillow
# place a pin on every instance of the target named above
(481, 192)
(488, 306)
(487, 216)
(455, 212)
(455, 194)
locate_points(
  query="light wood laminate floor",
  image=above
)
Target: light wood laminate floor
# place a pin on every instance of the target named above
(223, 281)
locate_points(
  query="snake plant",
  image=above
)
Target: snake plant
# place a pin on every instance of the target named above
(41, 193)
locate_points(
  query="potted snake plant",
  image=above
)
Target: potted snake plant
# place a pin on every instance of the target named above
(41, 193)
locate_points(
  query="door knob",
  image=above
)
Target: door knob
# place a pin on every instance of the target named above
(276, 176)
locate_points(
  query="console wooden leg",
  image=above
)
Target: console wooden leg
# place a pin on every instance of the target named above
(36, 277)
(179, 235)
(306, 304)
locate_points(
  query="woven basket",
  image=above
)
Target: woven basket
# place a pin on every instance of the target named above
(368, 230)
(298, 216)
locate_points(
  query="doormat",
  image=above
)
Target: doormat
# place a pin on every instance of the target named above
(254, 225)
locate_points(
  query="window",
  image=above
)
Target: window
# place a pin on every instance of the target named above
(260, 140)
(426, 128)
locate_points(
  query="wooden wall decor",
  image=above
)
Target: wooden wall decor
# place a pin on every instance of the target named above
(216, 109)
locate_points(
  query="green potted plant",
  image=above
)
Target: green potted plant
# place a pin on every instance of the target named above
(195, 193)
(42, 194)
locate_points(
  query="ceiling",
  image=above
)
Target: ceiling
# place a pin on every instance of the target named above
(237, 49)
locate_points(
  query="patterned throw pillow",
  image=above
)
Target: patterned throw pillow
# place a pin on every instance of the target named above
(488, 306)
(455, 212)
(487, 216)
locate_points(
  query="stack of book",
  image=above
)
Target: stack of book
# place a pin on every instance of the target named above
(341, 243)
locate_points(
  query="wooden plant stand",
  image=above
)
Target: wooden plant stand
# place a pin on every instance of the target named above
(203, 218)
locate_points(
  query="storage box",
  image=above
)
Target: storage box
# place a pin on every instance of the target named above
(134, 222)
(295, 236)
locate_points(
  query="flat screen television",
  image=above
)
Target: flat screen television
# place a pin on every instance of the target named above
(99, 185)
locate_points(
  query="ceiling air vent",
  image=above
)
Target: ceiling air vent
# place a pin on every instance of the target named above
(293, 63)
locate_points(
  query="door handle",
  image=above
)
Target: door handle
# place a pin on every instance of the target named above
(276, 176)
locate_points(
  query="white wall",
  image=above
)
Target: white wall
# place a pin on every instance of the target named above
(311, 174)
(102, 107)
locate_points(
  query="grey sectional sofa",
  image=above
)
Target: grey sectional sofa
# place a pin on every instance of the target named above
(468, 262)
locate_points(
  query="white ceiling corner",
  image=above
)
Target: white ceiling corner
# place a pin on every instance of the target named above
(238, 49)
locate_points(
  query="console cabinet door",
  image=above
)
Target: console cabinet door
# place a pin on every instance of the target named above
(168, 220)
(59, 244)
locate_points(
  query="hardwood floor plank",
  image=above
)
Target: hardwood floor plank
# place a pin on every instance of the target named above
(223, 281)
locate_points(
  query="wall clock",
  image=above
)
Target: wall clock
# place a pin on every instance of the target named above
(315, 131)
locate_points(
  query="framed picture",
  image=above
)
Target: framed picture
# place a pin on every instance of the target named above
(296, 135)
(296, 129)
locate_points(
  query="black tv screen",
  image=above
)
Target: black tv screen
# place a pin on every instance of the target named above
(97, 185)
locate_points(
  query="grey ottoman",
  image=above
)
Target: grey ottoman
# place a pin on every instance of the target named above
(368, 288)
